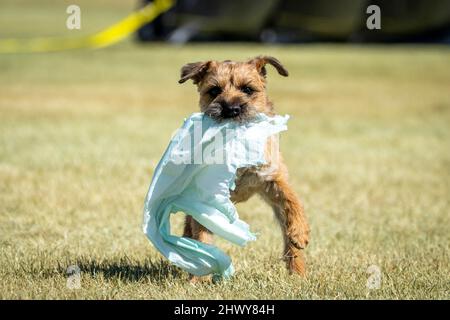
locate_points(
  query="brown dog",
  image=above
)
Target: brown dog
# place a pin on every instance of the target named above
(237, 91)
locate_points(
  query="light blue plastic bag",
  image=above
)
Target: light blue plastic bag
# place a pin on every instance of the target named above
(195, 176)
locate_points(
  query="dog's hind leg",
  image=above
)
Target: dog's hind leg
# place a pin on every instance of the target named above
(194, 230)
(200, 233)
(289, 213)
(187, 231)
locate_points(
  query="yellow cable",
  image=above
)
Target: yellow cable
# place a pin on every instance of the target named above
(107, 37)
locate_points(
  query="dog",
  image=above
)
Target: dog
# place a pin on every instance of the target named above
(236, 91)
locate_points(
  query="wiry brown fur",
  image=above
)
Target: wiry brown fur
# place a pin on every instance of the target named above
(270, 181)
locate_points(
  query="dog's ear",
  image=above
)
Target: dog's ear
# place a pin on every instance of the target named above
(261, 61)
(195, 71)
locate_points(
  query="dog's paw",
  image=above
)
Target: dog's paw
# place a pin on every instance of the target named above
(295, 262)
(297, 266)
(198, 280)
(299, 239)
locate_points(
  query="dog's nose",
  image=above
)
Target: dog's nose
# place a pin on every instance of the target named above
(232, 111)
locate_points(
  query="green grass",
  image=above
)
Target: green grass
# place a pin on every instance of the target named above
(368, 148)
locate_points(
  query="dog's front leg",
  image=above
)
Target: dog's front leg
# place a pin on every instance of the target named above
(289, 212)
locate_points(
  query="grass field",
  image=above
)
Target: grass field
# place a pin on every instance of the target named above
(368, 148)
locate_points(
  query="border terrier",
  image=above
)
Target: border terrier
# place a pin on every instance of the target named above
(237, 91)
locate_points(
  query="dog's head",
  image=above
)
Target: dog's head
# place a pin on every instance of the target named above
(232, 90)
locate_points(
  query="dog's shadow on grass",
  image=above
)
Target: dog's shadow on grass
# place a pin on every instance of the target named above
(128, 270)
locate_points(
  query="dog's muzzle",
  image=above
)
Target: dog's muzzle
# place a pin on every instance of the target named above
(231, 111)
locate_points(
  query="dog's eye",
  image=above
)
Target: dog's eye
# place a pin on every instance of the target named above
(214, 91)
(247, 90)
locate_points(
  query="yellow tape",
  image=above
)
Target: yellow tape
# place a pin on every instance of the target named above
(107, 37)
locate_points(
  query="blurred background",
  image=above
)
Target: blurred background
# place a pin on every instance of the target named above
(266, 21)
(368, 146)
(284, 21)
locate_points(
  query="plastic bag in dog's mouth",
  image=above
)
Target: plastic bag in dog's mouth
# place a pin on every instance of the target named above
(195, 176)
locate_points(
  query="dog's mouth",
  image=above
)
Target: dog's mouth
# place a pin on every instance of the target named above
(241, 113)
